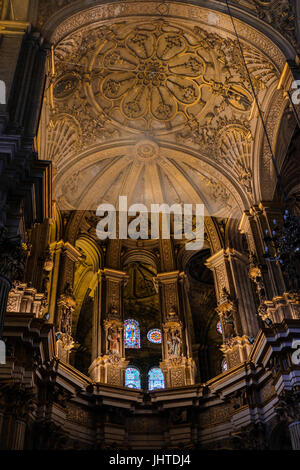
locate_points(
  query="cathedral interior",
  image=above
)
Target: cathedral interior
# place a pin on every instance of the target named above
(140, 343)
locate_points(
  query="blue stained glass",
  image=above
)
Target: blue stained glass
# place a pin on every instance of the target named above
(132, 378)
(224, 365)
(219, 328)
(156, 379)
(131, 334)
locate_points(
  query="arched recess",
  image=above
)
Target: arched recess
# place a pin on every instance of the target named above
(278, 127)
(173, 175)
(144, 256)
(86, 281)
(213, 241)
(141, 304)
(206, 340)
(75, 220)
(234, 238)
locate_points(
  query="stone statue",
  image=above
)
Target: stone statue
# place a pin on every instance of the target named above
(228, 322)
(113, 338)
(66, 320)
(174, 342)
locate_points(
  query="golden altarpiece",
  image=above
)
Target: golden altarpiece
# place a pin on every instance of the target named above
(143, 344)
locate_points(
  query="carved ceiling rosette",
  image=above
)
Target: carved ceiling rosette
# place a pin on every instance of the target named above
(156, 71)
(150, 77)
(128, 95)
(153, 78)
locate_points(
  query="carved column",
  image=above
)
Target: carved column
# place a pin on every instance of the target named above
(19, 404)
(177, 365)
(244, 292)
(63, 257)
(256, 223)
(64, 341)
(97, 315)
(11, 266)
(61, 312)
(255, 274)
(56, 250)
(110, 363)
(294, 429)
(276, 304)
(236, 346)
(288, 411)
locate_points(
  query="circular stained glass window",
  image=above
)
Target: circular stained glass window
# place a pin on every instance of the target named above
(219, 328)
(154, 336)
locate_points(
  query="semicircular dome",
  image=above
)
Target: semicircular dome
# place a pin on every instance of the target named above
(158, 108)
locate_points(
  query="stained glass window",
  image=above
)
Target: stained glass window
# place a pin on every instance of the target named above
(155, 379)
(131, 334)
(219, 328)
(224, 365)
(132, 378)
(154, 336)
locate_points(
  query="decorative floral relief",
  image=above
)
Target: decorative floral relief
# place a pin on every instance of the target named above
(279, 13)
(157, 76)
(163, 78)
(152, 73)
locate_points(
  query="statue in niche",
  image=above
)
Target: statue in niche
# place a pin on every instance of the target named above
(226, 309)
(228, 323)
(174, 342)
(66, 320)
(67, 305)
(113, 338)
(256, 276)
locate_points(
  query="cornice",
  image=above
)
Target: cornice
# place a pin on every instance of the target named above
(14, 28)
(255, 13)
